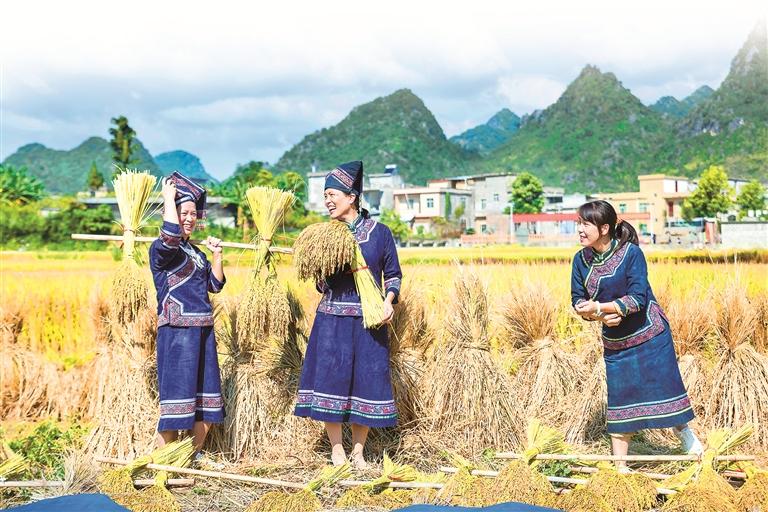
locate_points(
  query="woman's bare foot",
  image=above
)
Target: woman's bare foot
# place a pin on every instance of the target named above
(358, 461)
(338, 457)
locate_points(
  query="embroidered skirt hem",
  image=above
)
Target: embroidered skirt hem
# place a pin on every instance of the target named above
(346, 375)
(645, 389)
(188, 377)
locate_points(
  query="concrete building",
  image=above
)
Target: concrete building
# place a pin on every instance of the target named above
(419, 206)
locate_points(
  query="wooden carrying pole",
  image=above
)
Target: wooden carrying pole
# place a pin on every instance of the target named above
(213, 474)
(142, 482)
(626, 458)
(149, 239)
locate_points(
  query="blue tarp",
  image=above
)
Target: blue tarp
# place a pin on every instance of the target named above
(501, 507)
(74, 503)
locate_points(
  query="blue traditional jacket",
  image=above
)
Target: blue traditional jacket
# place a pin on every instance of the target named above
(619, 275)
(183, 278)
(377, 244)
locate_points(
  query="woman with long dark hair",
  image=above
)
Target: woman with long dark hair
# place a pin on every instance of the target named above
(609, 283)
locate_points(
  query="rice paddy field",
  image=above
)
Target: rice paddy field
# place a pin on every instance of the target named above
(486, 356)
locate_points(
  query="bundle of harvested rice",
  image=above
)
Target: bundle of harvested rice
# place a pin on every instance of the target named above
(323, 249)
(156, 497)
(11, 463)
(129, 285)
(119, 482)
(455, 489)
(304, 500)
(622, 492)
(409, 327)
(701, 488)
(369, 493)
(740, 377)
(581, 500)
(585, 420)
(519, 481)
(761, 325)
(548, 371)
(468, 398)
(691, 319)
(269, 206)
(263, 313)
(753, 495)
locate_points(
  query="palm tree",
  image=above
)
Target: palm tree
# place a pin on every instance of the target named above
(19, 188)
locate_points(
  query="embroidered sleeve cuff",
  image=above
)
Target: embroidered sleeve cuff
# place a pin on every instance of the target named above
(170, 234)
(627, 305)
(214, 285)
(392, 285)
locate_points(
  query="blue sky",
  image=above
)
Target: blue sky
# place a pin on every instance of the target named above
(247, 80)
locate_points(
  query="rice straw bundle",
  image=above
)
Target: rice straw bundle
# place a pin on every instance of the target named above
(753, 495)
(323, 249)
(519, 481)
(740, 377)
(761, 325)
(369, 289)
(269, 207)
(263, 313)
(304, 500)
(581, 500)
(409, 325)
(622, 492)
(468, 398)
(548, 371)
(119, 482)
(701, 488)
(587, 404)
(156, 497)
(457, 486)
(367, 494)
(129, 286)
(11, 464)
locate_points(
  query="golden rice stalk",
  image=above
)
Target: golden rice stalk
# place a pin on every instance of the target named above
(323, 249)
(581, 500)
(541, 439)
(517, 481)
(738, 390)
(469, 401)
(529, 316)
(391, 499)
(12, 464)
(406, 372)
(369, 289)
(409, 327)
(753, 495)
(120, 481)
(304, 500)
(132, 191)
(691, 320)
(268, 209)
(263, 313)
(587, 405)
(129, 293)
(456, 487)
(696, 379)
(736, 315)
(623, 492)
(157, 498)
(708, 493)
(761, 324)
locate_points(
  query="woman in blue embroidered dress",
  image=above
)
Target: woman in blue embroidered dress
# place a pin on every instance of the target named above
(609, 283)
(346, 375)
(187, 365)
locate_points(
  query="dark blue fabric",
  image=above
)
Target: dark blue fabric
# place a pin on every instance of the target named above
(188, 190)
(346, 177)
(645, 389)
(346, 376)
(183, 278)
(500, 507)
(74, 503)
(188, 377)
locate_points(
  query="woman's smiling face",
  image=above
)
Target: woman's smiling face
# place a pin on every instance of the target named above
(338, 203)
(187, 217)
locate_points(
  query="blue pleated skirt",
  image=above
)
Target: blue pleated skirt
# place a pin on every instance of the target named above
(645, 389)
(188, 377)
(346, 376)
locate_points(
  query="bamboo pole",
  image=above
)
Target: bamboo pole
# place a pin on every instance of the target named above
(552, 479)
(626, 458)
(149, 239)
(394, 485)
(739, 475)
(32, 483)
(213, 474)
(171, 482)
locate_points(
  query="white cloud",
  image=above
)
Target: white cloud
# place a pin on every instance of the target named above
(247, 80)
